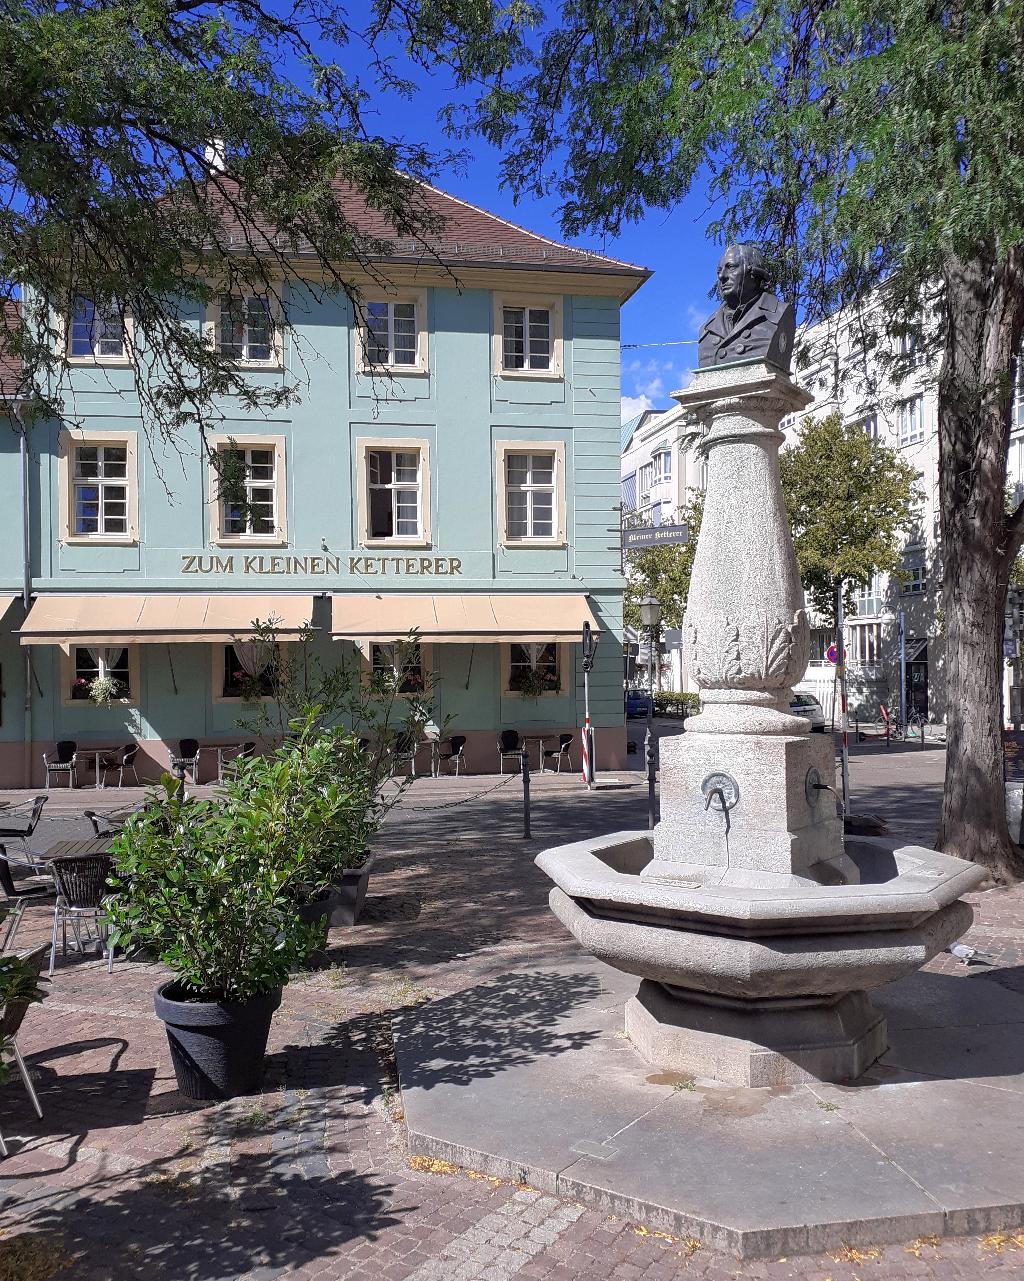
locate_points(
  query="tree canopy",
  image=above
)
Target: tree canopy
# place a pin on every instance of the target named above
(851, 501)
(664, 572)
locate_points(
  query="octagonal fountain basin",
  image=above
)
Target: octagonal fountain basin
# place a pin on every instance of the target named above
(760, 985)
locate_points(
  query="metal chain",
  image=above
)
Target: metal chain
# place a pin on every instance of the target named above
(463, 800)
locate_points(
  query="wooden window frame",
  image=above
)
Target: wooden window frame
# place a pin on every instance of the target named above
(69, 440)
(549, 302)
(68, 667)
(421, 366)
(248, 440)
(502, 448)
(405, 444)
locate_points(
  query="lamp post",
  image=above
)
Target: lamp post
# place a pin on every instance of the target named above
(650, 617)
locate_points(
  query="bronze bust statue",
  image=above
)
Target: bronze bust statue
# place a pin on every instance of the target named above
(752, 323)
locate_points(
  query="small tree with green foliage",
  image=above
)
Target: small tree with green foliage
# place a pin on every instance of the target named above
(664, 572)
(851, 501)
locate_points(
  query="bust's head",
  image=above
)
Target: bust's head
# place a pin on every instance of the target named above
(742, 274)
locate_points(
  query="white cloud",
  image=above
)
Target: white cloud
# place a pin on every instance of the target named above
(633, 405)
(695, 317)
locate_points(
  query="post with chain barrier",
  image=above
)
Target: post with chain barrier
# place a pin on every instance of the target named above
(525, 770)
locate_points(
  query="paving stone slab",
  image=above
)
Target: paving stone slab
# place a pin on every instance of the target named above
(566, 1105)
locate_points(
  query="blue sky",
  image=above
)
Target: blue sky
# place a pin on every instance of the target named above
(669, 308)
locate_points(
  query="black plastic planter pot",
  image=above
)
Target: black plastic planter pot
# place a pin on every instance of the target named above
(351, 893)
(217, 1047)
(318, 913)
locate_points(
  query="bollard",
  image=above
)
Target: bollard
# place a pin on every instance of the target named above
(524, 767)
(922, 735)
(651, 781)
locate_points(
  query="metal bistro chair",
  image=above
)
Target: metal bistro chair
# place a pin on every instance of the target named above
(226, 757)
(20, 896)
(121, 760)
(455, 756)
(110, 822)
(559, 753)
(64, 762)
(81, 882)
(509, 748)
(187, 759)
(403, 753)
(11, 1018)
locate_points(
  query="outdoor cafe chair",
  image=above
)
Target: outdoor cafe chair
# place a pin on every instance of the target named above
(559, 753)
(26, 818)
(509, 748)
(108, 822)
(62, 762)
(11, 1018)
(403, 753)
(186, 759)
(20, 895)
(455, 756)
(122, 759)
(227, 755)
(81, 882)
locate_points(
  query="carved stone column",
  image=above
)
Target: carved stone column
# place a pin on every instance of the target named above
(740, 800)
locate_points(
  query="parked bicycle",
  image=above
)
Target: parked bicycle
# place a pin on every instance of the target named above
(889, 725)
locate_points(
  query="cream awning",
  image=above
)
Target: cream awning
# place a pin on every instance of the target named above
(476, 618)
(160, 618)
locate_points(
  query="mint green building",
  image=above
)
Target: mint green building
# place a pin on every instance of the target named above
(471, 493)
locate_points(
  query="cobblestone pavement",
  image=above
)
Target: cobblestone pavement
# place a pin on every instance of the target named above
(124, 1179)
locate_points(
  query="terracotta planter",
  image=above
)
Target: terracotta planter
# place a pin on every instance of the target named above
(351, 892)
(217, 1047)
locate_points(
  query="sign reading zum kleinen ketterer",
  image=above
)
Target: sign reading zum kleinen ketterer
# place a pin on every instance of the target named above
(632, 539)
(258, 565)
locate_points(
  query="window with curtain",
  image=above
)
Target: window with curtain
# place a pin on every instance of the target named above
(100, 501)
(89, 663)
(250, 669)
(530, 496)
(393, 498)
(540, 658)
(95, 332)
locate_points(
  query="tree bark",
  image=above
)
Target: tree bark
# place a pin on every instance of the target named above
(984, 314)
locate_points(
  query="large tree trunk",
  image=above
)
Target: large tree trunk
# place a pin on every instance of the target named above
(984, 317)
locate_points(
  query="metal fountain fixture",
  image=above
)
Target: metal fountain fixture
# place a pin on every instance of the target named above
(756, 927)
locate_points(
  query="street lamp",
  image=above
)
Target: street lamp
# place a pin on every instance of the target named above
(650, 617)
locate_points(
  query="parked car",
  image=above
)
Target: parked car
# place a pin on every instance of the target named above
(638, 702)
(808, 707)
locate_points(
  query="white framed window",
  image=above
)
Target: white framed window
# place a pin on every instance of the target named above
(869, 425)
(910, 421)
(393, 485)
(529, 496)
(1017, 410)
(246, 329)
(662, 462)
(100, 504)
(530, 492)
(82, 665)
(910, 350)
(403, 663)
(97, 334)
(98, 484)
(646, 482)
(864, 645)
(392, 333)
(532, 669)
(253, 510)
(916, 583)
(527, 339)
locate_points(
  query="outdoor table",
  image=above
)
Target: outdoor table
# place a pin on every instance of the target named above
(540, 740)
(96, 753)
(435, 746)
(77, 848)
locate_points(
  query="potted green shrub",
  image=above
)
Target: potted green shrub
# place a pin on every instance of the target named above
(207, 885)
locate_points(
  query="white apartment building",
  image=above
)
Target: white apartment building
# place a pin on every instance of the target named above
(889, 388)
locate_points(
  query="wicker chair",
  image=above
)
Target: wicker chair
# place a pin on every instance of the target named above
(509, 748)
(81, 882)
(559, 753)
(403, 753)
(455, 756)
(63, 762)
(186, 759)
(226, 757)
(120, 760)
(11, 1019)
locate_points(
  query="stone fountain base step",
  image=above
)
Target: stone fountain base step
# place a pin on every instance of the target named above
(531, 1077)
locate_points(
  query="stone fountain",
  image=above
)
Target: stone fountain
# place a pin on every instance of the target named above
(756, 927)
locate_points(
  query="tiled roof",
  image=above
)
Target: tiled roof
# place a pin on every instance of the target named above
(469, 235)
(10, 365)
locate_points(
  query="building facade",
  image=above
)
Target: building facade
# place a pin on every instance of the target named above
(450, 465)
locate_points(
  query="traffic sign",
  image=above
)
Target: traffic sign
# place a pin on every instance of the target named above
(832, 654)
(658, 536)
